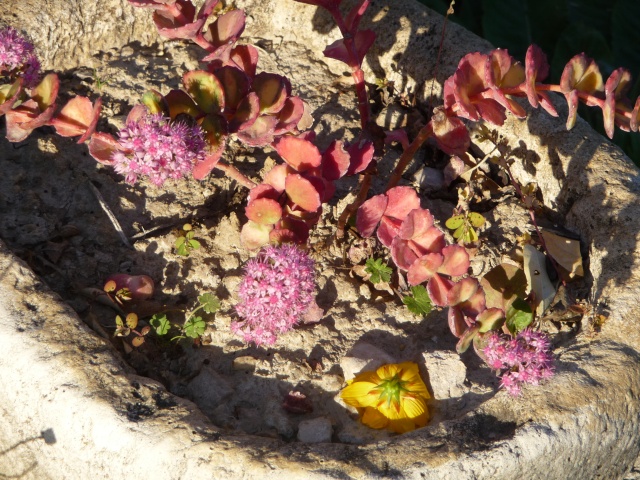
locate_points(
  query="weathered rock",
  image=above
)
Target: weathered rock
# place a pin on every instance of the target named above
(317, 430)
(447, 374)
(363, 356)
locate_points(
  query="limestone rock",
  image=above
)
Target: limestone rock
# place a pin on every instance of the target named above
(317, 430)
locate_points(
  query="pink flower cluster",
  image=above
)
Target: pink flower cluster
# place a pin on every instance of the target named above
(156, 147)
(17, 57)
(524, 359)
(276, 291)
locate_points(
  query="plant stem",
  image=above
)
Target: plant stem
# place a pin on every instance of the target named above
(407, 155)
(234, 173)
(356, 71)
(363, 189)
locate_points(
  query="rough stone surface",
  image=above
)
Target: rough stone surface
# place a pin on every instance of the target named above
(447, 374)
(363, 356)
(57, 376)
(317, 430)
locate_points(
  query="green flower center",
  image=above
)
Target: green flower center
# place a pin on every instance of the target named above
(392, 389)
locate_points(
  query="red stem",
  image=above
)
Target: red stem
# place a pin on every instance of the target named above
(407, 155)
(356, 71)
(234, 173)
(363, 190)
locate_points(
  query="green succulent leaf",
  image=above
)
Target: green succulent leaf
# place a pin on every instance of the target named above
(160, 324)
(379, 271)
(519, 316)
(209, 302)
(419, 301)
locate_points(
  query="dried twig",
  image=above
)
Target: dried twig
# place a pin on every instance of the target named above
(112, 217)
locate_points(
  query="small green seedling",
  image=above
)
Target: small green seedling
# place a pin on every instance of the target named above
(194, 326)
(99, 82)
(379, 271)
(464, 225)
(128, 326)
(185, 242)
(419, 301)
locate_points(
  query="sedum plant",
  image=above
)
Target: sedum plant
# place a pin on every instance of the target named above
(185, 132)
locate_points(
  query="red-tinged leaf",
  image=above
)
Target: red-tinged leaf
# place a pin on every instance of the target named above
(9, 95)
(247, 113)
(388, 230)
(299, 228)
(226, 29)
(465, 340)
(214, 127)
(271, 90)
(335, 161)
(277, 176)
(474, 305)
(454, 168)
(398, 135)
(290, 115)
(246, 58)
(355, 15)
(438, 288)
(278, 236)
(370, 213)
(338, 50)
(581, 73)
(300, 154)
(97, 107)
(140, 286)
(450, 133)
(455, 318)
(498, 65)
(536, 69)
(490, 319)
(155, 102)
(254, 236)
(361, 154)
(264, 211)
(491, 111)
(206, 9)
(402, 255)
(34, 118)
(205, 89)
(74, 118)
(302, 192)
(417, 222)
(263, 191)
(102, 146)
(432, 240)
(155, 4)
(546, 104)
(635, 114)
(18, 116)
(136, 113)
(184, 26)
(573, 100)
(424, 268)
(401, 201)
(468, 82)
(219, 57)
(616, 87)
(448, 92)
(260, 133)
(179, 102)
(46, 92)
(456, 261)
(462, 291)
(235, 86)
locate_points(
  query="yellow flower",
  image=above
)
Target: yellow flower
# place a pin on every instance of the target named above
(394, 397)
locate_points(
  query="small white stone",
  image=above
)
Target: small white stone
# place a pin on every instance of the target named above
(317, 430)
(362, 357)
(246, 362)
(447, 374)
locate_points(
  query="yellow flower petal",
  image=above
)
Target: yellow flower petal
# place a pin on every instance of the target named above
(402, 425)
(360, 394)
(413, 406)
(373, 418)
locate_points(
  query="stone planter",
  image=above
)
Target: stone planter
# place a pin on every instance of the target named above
(57, 376)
